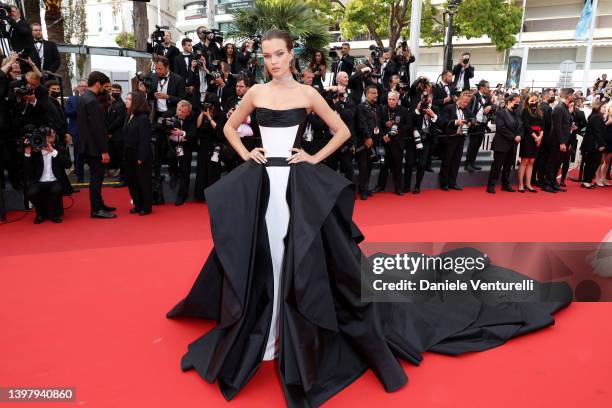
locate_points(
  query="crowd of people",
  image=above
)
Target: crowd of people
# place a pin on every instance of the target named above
(180, 108)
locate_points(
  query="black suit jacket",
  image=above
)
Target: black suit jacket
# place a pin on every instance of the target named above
(20, 36)
(594, 136)
(56, 118)
(448, 116)
(547, 111)
(438, 95)
(91, 124)
(367, 119)
(561, 126)
(33, 165)
(508, 125)
(346, 64)
(23, 113)
(183, 70)
(176, 90)
(137, 136)
(115, 120)
(467, 75)
(170, 53)
(401, 117)
(51, 57)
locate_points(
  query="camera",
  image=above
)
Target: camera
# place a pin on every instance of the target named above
(23, 90)
(145, 80)
(393, 131)
(205, 106)
(5, 10)
(333, 52)
(215, 154)
(376, 52)
(35, 137)
(158, 35)
(425, 101)
(418, 140)
(491, 115)
(167, 124)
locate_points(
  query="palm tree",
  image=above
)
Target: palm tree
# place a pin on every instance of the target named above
(298, 18)
(31, 9)
(54, 20)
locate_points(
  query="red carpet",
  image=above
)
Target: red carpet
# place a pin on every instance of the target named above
(82, 304)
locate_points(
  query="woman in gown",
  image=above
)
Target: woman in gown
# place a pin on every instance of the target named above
(283, 278)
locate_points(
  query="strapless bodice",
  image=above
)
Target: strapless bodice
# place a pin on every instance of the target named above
(281, 130)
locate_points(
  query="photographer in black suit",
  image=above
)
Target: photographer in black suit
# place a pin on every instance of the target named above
(43, 169)
(423, 121)
(186, 68)
(343, 106)
(508, 134)
(463, 72)
(167, 88)
(345, 63)
(481, 107)
(93, 141)
(165, 49)
(456, 120)
(208, 47)
(48, 55)
(368, 133)
(20, 37)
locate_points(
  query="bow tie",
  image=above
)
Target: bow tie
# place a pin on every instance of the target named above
(38, 41)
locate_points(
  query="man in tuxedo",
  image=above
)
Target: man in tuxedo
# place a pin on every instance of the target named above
(115, 120)
(93, 143)
(388, 68)
(185, 65)
(443, 92)
(224, 86)
(361, 80)
(558, 142)
(456, 120)
(481, 106)
(167, 88)
(368, 133)
(20, 37)
(539, 165)
(48, 55)
(346, 63)
(165, 49)
(463, 72)
(71, 114)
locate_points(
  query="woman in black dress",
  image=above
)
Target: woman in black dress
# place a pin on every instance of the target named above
(593, 144)
(229, 56)
(138, 154)
(607, 153)
(318, 66)
(533, 125)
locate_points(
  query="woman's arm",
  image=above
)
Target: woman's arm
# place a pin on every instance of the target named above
(333, 121)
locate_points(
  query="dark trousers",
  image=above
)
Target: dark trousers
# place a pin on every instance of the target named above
(538, 175)
(593, 160)
(139, 180)
(476, 136)
(566, 158)
(393, 162)
(46, 197)
(79, 161)
(202, 165)
(502, 163)
(181, 167)
(553, 163)
(343, 161)
(452, 150)
(415, 157)
(364, 164)
(116, 154)
(96, 168)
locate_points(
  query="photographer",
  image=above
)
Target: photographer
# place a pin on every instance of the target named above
(244, 57)
(28, 101)
(558, 142)
(181, 133)
(361, 80)
(318, 66)
(456, 120)
(44, 163)
(20, 38)
(368, 136)
(343, 106)
(483, 110)
(229, 57)
(209, 46)
(443, 92)
(211, 144)
(115, 119)
(394, 121)
(423, 121)
(224, 84)
(93, 141)
(137, 151)
(48, 55)
(345, 63)
(463, 72)
(413, 96)
(392, 86)
(508, 133)
(403, 58)
(186, 66)
(167, 88)
(160, 43)
(388, 68)
(307, 78)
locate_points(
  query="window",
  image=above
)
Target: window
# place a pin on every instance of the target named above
(100, 21)
(116, 21)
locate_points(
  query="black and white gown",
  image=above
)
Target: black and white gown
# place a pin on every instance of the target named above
(283, 282)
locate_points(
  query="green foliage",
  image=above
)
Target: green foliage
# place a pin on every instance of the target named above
(298, 18)
(126, 40)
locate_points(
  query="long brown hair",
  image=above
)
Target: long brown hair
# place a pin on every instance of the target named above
(313, 62)
(139, 104)
(280, 35)
(539, 112)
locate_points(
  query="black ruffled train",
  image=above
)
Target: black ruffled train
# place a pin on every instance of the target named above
(329, 337)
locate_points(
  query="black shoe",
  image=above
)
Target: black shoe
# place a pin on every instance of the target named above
(179, 201)
(378, 189)
(416, 190)
(445, 188)
(531, 190)
(558, 188)
(548, 189)
(491, 189)
(399, 192)
(143, 212)
(508, 189)
(38, 219)
(562, 183)
(103, 214)
(56, 220)
(475, 167)
(469, 168)
(429, 169)
(364, 196)
(457, 187)
(369, 193)
(521, 190)
(134, 210)
(108, 209)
